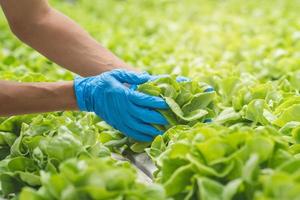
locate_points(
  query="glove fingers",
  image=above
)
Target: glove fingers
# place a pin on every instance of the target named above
(136, 134)
(130, 77)
(147, 115)
(139, 126)
(123, 121)
(180, 79)
(148, 101)
(155, 77)
(209, 89)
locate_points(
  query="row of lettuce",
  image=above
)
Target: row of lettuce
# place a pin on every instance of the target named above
(245, 153)
(238, 141)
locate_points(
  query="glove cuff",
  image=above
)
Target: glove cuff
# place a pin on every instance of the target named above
(79, 87)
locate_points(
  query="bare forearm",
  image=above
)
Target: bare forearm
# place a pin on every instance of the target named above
(62, 40)
(22, 98)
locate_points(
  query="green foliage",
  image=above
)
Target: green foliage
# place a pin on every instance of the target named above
(247, 50)
(213, 161)
(188, 104)
(188, 101)
(99, 178)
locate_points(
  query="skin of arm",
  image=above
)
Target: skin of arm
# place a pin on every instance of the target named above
(61, 40)
(58, 38)
(24, 98)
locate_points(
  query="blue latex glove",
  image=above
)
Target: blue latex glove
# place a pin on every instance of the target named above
(154, 77)
(126, 110)
(178, 78)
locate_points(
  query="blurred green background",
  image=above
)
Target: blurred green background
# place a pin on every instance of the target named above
(190, 37)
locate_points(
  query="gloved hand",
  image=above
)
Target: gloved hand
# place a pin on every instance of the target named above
(154, 77)
(178, 78)
(126, 110)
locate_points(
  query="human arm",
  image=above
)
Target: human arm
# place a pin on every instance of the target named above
(23, 98)
(125, 109)
(59, 38)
